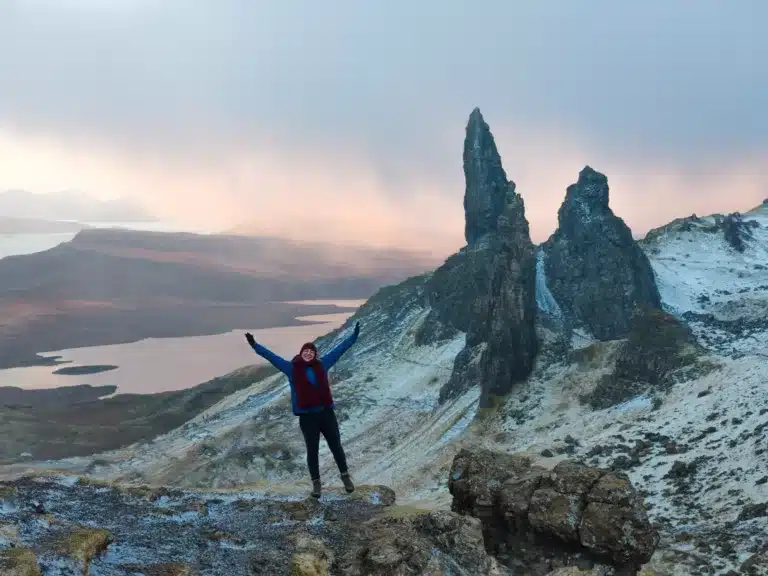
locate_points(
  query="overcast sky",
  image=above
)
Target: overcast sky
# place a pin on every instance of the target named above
(344, 119)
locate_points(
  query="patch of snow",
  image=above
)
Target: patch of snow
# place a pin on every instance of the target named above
(638, 403)
(464, 421)
(184, 517)
(581, 338)
(544, 298)
(121, 554)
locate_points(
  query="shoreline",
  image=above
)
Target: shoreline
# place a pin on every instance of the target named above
(85, 370)
(171, 364)
(304, 315)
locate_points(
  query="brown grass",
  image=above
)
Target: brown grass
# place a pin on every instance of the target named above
(101, 425)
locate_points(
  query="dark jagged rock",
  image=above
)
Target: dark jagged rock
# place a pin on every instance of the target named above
(736, 231)
(485, 197)
(487, 290)
(595, 270)
(658, 344)
(538, 520)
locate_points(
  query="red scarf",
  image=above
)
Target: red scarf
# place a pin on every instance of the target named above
(309, 396)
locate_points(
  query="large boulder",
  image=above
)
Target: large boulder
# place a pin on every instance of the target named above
(538, 520)
(595, 270)
(488, 289)
(421, 543)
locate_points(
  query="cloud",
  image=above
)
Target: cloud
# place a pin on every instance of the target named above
(221, 110)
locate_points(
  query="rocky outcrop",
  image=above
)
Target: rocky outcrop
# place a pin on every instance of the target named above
(658, 347)
(537, 520)
(422, 543)
(737, 231)
(595, 270)
(59, 525)
(487, 290)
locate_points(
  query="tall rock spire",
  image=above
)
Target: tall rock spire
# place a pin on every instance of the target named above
(486, 181)
(487, 290)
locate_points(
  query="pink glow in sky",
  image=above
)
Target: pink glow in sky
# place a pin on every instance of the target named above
(344, 120)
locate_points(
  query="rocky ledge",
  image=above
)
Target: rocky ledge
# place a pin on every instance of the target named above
(508, 518)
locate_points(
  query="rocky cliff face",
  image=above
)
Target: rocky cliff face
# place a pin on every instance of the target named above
(488, 289)
(487, 188)
(595, 270)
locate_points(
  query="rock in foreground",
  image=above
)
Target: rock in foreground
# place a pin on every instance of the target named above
(56, 525)
(537, 520)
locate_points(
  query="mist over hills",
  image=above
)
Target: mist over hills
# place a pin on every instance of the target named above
(13, 225)
(70, 205)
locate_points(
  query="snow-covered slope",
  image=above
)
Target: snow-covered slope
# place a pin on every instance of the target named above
(721, 292)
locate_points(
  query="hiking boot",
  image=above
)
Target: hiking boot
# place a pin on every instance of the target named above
(348, 486)
(317, 488)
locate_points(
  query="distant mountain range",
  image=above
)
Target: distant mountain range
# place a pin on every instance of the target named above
(69, 205)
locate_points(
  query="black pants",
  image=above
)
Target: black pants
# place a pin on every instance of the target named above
(314, 424)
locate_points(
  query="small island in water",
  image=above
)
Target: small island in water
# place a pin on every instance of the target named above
(85, 370)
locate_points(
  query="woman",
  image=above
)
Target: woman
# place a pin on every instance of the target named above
(313, 403)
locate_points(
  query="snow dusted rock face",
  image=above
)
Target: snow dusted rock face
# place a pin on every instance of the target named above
(660, 350)
(487, 290)
(595, 270)
(538, 520)
(65, 526)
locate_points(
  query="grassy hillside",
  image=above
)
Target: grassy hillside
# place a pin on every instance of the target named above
(60, 423)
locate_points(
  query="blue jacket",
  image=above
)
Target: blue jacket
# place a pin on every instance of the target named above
(286, 366)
